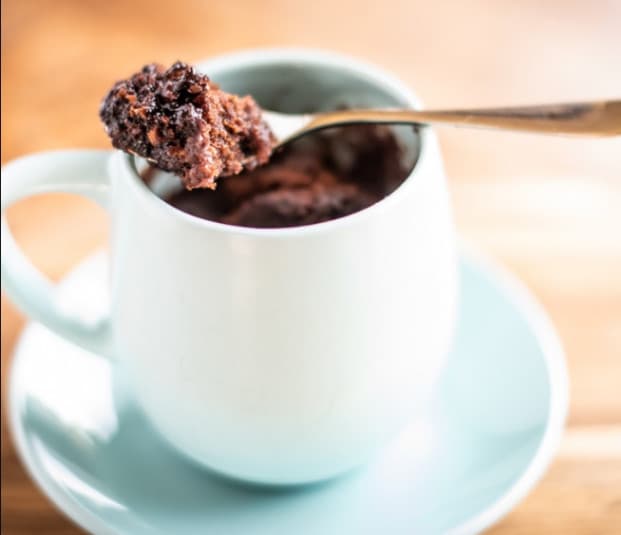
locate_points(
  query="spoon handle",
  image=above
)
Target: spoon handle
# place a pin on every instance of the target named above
(601, 118)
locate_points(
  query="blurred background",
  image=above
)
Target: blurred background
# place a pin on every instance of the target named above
(548, 208)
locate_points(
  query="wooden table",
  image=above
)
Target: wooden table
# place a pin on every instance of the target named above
(549, 208)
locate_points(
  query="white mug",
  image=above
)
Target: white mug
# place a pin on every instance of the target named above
(279, 356)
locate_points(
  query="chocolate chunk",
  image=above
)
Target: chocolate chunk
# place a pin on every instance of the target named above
(185, 124)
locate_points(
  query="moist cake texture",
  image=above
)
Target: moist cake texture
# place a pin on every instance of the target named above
(184, 123)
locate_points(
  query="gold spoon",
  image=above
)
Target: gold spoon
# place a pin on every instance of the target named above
(599, 118)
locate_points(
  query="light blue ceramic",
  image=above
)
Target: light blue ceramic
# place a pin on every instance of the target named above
(485, 441)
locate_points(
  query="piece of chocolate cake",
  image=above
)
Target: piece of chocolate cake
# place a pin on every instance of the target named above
(185, 124)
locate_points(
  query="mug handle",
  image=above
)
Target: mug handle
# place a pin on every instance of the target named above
(83, 172)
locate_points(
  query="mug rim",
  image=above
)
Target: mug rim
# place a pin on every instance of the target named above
(298, 56)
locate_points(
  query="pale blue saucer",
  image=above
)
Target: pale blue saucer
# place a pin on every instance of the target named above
(486, 440)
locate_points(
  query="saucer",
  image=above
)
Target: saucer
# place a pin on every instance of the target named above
(486, 439)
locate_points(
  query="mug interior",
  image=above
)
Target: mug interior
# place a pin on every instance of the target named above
(304, 83)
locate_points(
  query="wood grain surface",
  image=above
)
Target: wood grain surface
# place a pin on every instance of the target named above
(549, 208)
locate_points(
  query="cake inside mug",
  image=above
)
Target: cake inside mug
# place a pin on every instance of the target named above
(183, 123)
